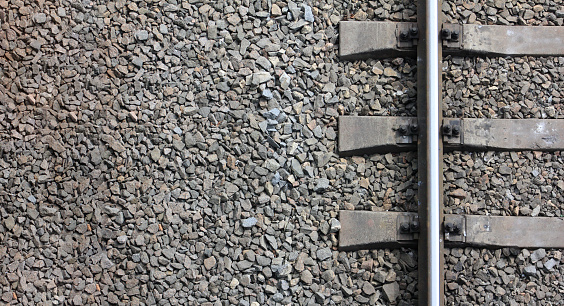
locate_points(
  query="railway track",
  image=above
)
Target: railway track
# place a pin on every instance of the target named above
(430, 229)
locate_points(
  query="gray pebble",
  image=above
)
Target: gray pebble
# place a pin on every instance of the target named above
(324, 253)
(249, 222)
(40, 18)
(142, 35)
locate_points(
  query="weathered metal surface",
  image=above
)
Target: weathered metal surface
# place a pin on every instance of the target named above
(407, 35)
(452, 130)
(359, 134)
(513, 134)
(512, 231)
(451, 35)
(513, 40)
(363, 39)
(382, 134)
(366, 229)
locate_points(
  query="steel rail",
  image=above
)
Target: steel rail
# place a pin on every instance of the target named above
(433, 148)
(430, 150)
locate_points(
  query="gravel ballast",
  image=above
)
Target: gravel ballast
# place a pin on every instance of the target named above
(184, 153)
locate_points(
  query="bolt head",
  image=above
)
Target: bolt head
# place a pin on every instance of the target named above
(456, 228)
(404, 228)
(447, 129)
(456, 130)
(414, 226)
(403, 129)
(404, 35)
(445, 34)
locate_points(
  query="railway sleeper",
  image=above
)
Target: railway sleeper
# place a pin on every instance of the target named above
(362, 230)
(370, 39)
(396, 134)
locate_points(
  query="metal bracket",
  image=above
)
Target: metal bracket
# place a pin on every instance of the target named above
(452, 131)
(407, 35)
(408, 227)
(451, 35)
(407, 133)
(454, 228)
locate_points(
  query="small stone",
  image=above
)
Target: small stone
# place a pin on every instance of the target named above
(380, 276)
(308, 14)
(504, 169)
(530, 270)
(234, 19)
(40, 18)
(368, 289)
(138, 61)
(9, 223)
(249, 222)
(267, 94)
(155, 154)
(537, 255)
(122, 239)
(275, 10)
(306, 277)
(360, 15)
(328, 275)
(528, 14)
(260, 77)
(322, 185)
(53, 144)
(112, 211)
(389, 72)
(209, 262)
(105, 262)
(458, 193)
(36, 44)
(234, 283)
(391, 291)
(272, 241)
(142, 35)
(285, 81)
(335, 225)
(277, 297)
(47, 210)
(549, 264)
(377, 70)
(535, 211)
(297, 25)
(324, 253)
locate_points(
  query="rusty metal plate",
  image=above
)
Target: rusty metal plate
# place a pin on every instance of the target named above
(512, 40)
(363, 39)
(452, 131)
(451, 35)
(372, 134)
(513, 134)
(366, 229)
